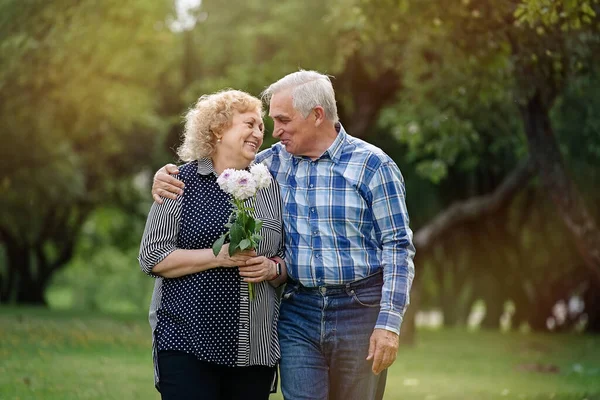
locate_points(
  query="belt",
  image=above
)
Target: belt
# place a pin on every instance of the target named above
(375, 279)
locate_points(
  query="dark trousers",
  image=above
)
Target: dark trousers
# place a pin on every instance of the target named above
(184, 377)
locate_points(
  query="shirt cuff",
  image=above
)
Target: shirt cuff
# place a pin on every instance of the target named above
(390, 321)
(149, 262)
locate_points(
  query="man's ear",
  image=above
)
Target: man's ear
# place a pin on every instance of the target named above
(319, 115)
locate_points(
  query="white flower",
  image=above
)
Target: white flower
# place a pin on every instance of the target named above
(244, 187)
(227, 179)
(261, 176)
(241, 184)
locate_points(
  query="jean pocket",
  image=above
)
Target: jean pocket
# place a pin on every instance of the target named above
(289, 292)
(366, 297)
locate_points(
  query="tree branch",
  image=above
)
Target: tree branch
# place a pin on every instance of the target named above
(475, 207)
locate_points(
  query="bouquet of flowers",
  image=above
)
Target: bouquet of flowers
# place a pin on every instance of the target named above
(242, 227)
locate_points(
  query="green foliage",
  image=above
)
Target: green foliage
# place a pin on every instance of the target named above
(78, 86)
(104, 274)
(568, 14)
(242, 231)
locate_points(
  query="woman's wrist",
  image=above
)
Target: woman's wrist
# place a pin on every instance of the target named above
(276, 268)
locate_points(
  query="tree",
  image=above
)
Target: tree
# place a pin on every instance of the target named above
(78, 86)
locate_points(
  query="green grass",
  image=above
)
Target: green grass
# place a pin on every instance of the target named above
(73, 355)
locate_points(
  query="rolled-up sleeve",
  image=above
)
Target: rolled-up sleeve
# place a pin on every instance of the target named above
(160, 235)
(395, 237)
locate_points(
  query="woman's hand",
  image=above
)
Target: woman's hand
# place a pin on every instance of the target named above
(258, 269)
(237, 260)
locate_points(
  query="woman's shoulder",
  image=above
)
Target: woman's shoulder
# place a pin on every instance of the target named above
(187, 170)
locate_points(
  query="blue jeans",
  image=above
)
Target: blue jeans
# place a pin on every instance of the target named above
(324, 336)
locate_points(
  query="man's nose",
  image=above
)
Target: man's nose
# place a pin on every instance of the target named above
(276, 131)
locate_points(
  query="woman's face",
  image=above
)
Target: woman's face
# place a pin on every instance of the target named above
(241, 141)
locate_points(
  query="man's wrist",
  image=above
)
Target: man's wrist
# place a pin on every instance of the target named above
(389, 320)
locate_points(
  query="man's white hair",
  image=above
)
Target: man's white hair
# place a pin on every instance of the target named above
(309, 90)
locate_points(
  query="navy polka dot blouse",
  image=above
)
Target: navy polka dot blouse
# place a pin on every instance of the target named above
(208, 313)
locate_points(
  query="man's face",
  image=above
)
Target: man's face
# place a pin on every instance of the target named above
(295, 132)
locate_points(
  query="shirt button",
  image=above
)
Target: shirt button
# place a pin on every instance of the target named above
(311, 185)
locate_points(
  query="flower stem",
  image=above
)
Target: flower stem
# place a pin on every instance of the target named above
(251, 291)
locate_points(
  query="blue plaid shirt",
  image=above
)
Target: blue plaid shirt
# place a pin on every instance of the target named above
(345, 218)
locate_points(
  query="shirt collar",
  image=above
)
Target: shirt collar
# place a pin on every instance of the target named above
(333, 152)
(205, 166)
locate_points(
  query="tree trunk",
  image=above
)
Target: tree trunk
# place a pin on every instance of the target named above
(29, 268)
(25, 287)
(361, 95)
(591, 299)
(494, 308)
(544, 151)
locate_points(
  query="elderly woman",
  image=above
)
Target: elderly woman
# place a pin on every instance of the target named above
(210, 340)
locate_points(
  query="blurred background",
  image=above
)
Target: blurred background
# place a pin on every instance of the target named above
(490, 108)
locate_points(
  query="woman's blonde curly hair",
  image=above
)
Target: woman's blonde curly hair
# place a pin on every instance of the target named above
(211, 116)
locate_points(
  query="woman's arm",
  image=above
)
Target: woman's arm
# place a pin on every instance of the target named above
(185, 262)
(159, 254)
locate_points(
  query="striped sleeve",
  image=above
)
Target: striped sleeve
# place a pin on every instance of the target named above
(268, 208)
(160, 235)
(262, 316)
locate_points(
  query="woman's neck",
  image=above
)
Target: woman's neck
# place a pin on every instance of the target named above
(221, 163)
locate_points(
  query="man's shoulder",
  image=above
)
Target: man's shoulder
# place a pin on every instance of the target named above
(360, 150)
(276, 151)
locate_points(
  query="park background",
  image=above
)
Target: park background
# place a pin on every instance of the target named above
(490, 108)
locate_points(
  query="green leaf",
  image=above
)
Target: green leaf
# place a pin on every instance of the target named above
(233, 247)
(250, 225)
(237, 235)
(258, 225)
(218, 244)
(242, 219)
(587, 9)
(245, 244)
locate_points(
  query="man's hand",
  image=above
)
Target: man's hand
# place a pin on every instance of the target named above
(165, 185)
(382, 349)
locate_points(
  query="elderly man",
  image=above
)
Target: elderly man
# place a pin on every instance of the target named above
(349, 249)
